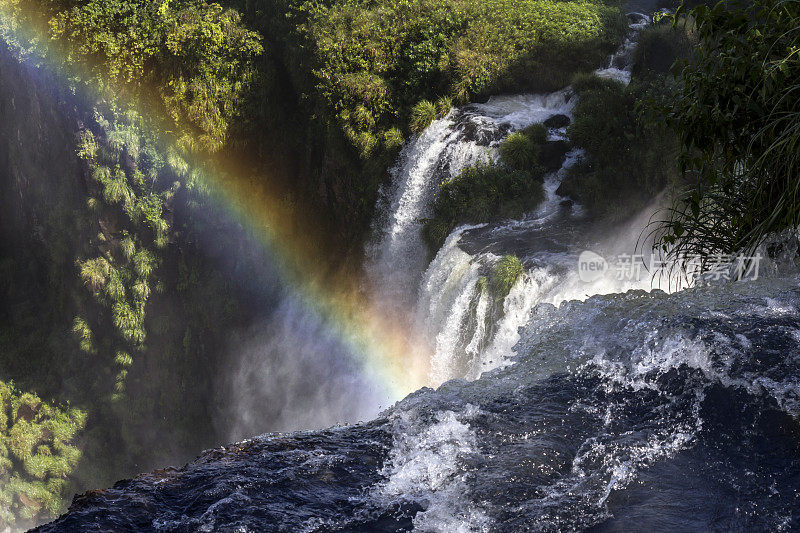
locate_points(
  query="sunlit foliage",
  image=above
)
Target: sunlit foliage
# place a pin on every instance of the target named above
(381, 58)
(505, 274)
(37, 454)
(192, 58)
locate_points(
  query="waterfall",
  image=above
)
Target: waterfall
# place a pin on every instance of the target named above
(397, 256)
(469, 331)
(621, 61)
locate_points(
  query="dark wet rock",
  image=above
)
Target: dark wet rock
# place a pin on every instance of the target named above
(557, 121)
(552, 155)
(566, 204)
(568, 187)
(483, 134)
(27, 412)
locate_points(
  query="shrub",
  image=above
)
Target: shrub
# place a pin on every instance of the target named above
(116, 191)
(443, 106)
(659, 46)
(737, 117)
(537, 133)
(95, 272)
(435, 232)
(198, 56)
(87, 146)
(115, 289)
(127, 247)
(123, 359)
(84, 335)
(141, 290)
(143, 262)
(385, 56)
(505, 274)
(485, 192)
(627, 161)
(393, 139)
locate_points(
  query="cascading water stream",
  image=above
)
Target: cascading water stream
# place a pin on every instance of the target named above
(397, 258)
(467, 331)
(623, 412)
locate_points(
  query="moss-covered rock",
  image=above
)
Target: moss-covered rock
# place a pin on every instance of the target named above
(557, 121)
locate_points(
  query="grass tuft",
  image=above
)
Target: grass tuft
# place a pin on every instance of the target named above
(505, 274)
(422, 115)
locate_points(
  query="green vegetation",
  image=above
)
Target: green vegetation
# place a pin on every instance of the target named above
(487, 191)
(629, 158)
(482, 285)
(315, 93)
(37, 454)
(382, 57)
(492, 289)
(193, 59)
(422, 115)
(505, 274)
(537, 133)
(522, 149)
(519, 152)
(660, 45)
(493, 190)
(443, 106)
(426, 112)
(120, 278)
(344, 75)
(737, 117)
(110, 305)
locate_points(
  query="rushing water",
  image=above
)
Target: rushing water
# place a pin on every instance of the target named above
(624, 412)
(567, 405)
(468, 332)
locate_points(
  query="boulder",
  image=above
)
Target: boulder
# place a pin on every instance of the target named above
(557, 121)
(483, 134)
(552, 154)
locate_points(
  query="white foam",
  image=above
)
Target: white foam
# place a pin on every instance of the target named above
(425, 467)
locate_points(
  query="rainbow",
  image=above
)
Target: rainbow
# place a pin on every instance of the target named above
(382, 346)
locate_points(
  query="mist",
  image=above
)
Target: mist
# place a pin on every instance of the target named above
(293, 373)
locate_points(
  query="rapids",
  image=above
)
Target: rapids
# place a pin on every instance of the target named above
(605, 405)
